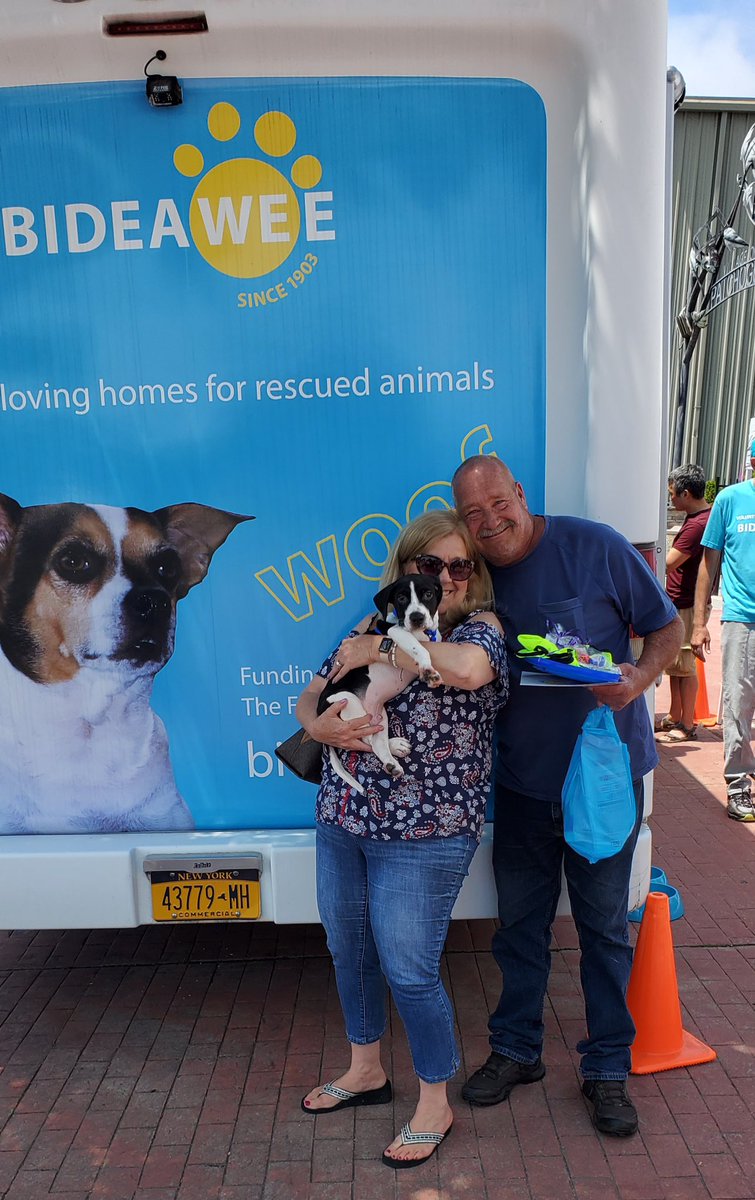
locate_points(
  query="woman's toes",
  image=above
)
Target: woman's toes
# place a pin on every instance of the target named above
(419, 1151)
(399, 1151)
(318, 1099)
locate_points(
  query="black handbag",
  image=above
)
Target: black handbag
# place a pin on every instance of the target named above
(302, 755)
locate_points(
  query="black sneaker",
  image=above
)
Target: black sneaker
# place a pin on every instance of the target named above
(493, 1082)
(612, 1110)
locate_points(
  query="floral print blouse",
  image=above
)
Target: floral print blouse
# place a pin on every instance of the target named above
(444, 789)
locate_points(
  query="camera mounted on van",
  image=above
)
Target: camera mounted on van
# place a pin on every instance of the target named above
(163, 91)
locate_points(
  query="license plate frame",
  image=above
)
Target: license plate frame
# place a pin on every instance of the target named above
(190, 889)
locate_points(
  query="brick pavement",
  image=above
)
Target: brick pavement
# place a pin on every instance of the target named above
(168, 1064)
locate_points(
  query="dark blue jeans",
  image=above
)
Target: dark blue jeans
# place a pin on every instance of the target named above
(528, 851)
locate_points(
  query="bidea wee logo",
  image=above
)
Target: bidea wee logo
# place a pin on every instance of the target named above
(246, 218)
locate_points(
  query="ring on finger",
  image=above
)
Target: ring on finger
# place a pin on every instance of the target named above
(338, 663)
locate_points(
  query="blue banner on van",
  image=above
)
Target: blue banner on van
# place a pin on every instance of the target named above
(300, 301)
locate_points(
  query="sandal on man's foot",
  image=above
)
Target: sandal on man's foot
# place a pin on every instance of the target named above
(409, 1138)
(380, 1095)
(664, 724)
(680, 733)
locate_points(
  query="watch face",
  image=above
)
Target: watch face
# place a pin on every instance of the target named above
(385, 646)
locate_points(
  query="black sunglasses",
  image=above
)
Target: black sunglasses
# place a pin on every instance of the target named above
(458, 568)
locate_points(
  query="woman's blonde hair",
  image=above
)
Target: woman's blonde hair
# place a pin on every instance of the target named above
(419, 534)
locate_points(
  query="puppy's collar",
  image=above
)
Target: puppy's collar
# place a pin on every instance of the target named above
(432, 635)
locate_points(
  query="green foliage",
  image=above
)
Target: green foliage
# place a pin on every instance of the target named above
(711, 489)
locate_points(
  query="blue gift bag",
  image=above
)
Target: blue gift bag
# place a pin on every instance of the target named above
(598, 796)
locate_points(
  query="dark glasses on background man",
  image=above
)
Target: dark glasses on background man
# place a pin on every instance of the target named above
(458, 568)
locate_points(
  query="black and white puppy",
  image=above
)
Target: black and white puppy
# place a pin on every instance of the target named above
(88, 598)
(414, 600)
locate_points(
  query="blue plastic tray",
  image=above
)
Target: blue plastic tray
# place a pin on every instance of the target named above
(569, 671)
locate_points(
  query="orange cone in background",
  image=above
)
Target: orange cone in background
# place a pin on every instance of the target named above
(653, 998)
(703, 715)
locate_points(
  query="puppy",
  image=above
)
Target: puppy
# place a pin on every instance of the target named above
(414, 599)
(88, 600)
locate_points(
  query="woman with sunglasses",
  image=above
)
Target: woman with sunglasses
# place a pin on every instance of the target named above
(391, 862)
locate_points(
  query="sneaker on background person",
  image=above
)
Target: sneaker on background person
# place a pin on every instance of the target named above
(739, 806)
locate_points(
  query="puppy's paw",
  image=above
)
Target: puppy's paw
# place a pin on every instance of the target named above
(399, 747)
(431, 677)
(394, 769)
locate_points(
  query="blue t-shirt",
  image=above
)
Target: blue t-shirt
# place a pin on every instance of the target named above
(589, 579)
(731, 528)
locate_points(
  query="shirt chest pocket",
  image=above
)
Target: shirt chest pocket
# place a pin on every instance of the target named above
(569, 614)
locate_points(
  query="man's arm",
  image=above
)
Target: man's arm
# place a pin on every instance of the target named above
(709, 564)
(660, 648)
(675, 558)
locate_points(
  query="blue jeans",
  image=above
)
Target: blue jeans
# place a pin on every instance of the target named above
(386, 907)
(528, 850)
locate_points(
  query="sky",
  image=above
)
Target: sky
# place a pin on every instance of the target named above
(712, 43)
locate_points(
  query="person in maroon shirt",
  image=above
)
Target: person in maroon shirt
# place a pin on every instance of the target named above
(686, 489)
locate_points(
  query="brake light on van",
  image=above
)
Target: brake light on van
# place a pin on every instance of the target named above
(649, 552)
(195, 22)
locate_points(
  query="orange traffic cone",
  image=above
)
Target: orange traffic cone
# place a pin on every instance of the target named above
(653, 998)
(703, 715)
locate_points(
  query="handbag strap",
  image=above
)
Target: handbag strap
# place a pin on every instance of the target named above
(367, 624)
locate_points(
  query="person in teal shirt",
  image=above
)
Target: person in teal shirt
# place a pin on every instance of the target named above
(729, 542)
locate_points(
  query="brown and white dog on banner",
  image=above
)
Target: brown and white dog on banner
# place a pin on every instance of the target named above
(88, 597)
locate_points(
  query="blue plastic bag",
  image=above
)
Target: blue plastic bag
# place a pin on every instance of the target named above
(598, 796)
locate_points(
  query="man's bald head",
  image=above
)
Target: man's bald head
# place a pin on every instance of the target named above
(493, 507)
(481, 463)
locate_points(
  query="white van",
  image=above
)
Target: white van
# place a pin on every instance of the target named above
(290, 262)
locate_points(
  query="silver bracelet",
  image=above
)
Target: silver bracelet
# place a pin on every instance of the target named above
(392, 656)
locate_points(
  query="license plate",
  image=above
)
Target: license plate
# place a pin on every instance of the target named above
(224, 894)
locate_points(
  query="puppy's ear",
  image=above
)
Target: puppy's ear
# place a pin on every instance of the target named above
(10, 519)
(382, 601)
(195, 531)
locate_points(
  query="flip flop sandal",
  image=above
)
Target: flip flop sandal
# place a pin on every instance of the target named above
(408, 1138)
(381, 1095)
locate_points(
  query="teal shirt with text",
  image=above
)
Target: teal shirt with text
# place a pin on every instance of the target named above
(731, 528)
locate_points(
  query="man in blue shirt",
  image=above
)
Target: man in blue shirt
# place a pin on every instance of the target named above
(589, 579)
(731, 532)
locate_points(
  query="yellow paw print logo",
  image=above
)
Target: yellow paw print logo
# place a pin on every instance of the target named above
(244, 214)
